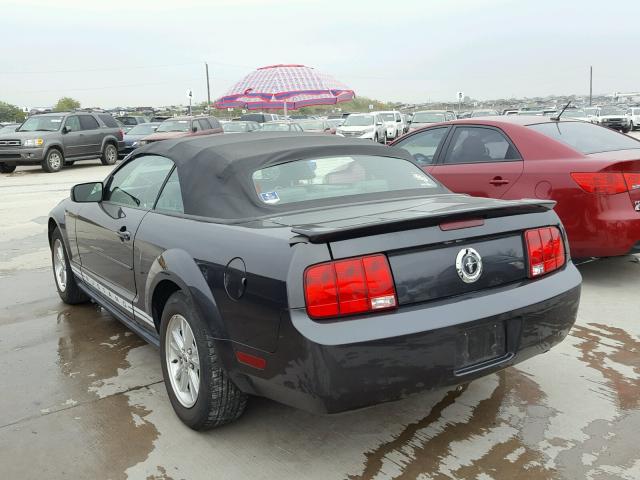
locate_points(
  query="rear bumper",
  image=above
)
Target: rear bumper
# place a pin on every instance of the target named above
(21, 156)
(327, 376)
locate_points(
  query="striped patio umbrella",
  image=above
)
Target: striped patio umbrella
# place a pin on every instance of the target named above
(285, 86)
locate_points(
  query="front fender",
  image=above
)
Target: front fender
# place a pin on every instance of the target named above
(178, 267)
(58, 219)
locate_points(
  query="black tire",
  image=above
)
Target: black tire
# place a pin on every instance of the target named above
(53, 161)
(4, 168)
(109, 154)
(626, 130)
(70, 293)
(219, 401)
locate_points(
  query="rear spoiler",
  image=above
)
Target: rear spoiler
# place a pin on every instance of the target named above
(375, 226)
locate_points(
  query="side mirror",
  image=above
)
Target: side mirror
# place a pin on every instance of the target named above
(87, 192)
(399, 120)
(65, 129)
(194, 129)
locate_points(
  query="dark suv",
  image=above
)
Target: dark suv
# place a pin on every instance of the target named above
(58, 139)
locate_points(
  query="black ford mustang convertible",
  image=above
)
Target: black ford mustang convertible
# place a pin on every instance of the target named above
(322, 272)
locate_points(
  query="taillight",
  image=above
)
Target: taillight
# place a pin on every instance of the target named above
(632, 180)
(603, 183)
(348, 287)
(545, 250)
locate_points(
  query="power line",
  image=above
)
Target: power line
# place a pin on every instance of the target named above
(108, 86)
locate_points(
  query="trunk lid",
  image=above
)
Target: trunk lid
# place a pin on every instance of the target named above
(423, 240)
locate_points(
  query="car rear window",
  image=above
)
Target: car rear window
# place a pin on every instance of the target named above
(586, 137)
(331, 177)
(108, 120)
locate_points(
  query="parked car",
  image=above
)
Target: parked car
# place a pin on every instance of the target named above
(177, 127)
(593, 173)
(406, 120)
(335, 122)
(239, 127)
(393, 123)
(484, 113)
(633, 113)
(132, 137)
(316, 126)
(427, 117)
(576, 114)
(259, 117)
(9, 128)
(321, 272)
(285, 126)
(54, 140)
(613, 117)
(364, 125)
(159, 118)
(130, 121)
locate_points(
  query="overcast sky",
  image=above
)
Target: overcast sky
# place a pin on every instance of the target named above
(140, 52)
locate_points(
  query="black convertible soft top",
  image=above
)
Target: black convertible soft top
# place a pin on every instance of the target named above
(215, 170)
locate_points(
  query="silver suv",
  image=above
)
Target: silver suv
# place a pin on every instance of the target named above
(54, 140)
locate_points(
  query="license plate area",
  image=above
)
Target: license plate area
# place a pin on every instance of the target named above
(480, 346)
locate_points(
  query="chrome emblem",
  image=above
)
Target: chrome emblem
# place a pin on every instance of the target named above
(469, 265)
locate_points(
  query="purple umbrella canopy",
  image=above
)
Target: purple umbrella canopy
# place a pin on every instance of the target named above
(285, 86)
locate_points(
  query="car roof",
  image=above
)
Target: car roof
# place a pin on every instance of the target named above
(502, 120)
(215, 170)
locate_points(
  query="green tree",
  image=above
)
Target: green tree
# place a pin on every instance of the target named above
(65, 104)
(10, 113)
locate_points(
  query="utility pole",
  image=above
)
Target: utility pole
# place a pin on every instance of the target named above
(206, 67)
(590, 84)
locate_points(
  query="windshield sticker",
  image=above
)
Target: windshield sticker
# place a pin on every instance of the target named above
(270, 197)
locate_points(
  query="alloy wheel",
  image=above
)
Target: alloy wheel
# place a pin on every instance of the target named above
(59, 265)
(55, 161)
(183, 361)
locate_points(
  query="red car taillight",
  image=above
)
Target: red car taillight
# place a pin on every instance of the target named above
(545, 250)
(348, 287)
(607, 183)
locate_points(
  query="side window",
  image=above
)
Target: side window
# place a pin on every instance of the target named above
(214, 122)
(424, 145)
(73, 123)
(87, 122)
(108, 120)
(170, 199)
(137, 183)
(477, 145)
(204, 124)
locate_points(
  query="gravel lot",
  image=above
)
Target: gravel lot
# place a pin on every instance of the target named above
(82, 396)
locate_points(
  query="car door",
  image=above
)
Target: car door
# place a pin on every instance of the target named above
(105, 231)
(425, 146)
(480, 161)
(92, 134)
(73, 138)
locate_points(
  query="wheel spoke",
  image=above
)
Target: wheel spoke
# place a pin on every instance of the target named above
(175, 337)
(184, 381)
(194, 384)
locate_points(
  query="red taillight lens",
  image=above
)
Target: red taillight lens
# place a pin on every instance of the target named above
(603, 183)
(348, 287)
(545, 250)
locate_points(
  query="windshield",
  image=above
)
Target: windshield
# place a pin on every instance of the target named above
(358, 121)
(586, 137)
(235, 127)
(427, 117)
(174, 126)
(331, 177)
(143, 129)
(611, 111)
(311, 125)
(48, 123)
(276, 127)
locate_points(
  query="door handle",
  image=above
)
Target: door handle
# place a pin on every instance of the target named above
(497, 181)
(124, 234)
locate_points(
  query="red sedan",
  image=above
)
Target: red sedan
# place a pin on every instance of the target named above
(592, 172)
